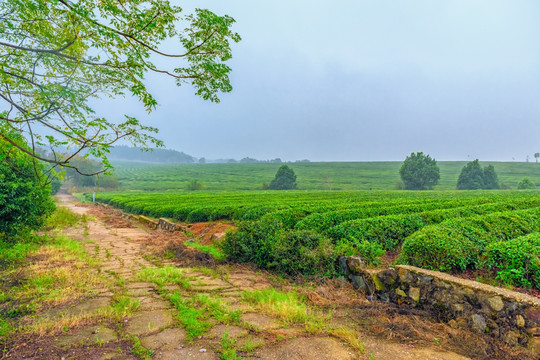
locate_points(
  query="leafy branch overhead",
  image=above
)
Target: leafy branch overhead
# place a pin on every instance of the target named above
(57, 55)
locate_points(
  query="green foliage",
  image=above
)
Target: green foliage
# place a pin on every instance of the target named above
(285, 179)
(491, 180)
(56, 184)
(208, 249)
(473, 177)
(228, 351)
(457, 244)
(290, 305)
(138, 349)
(526, 184)
(269, 246)
(84, 166)
(344, 176)
(13, 253)
(62, 218)
(198, 313)
(124, 306)
(25, 200)
(516, 261)
(56, 56)
(195, 185)
(419, 172)
(370, 252)
(167, 275)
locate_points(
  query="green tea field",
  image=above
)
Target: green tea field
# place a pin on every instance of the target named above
(306, 231)
(310, 176)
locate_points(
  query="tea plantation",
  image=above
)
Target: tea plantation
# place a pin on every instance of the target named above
(304, 232)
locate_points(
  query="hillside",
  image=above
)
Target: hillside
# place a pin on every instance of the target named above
(163, 156)
(310, 176)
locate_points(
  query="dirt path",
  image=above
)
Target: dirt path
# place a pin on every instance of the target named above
(164, 298)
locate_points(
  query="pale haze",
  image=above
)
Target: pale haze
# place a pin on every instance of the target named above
(364, 81)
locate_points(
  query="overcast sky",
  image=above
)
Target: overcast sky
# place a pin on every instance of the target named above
(365, 80)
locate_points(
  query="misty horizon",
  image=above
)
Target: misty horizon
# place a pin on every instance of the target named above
(363, 81)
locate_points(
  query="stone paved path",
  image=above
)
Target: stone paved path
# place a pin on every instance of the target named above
(156, 324)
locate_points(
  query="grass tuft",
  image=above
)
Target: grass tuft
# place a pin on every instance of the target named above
(62, 218)
(167, 275)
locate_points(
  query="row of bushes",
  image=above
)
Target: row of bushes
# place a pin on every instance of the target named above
(390, 231)
(210, 208)
(270, 243)
(321, 222)
(459, 244)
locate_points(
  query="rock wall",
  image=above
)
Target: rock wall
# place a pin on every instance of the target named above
(165, 224)
(152, 224)
(162, 223)
(508, 315)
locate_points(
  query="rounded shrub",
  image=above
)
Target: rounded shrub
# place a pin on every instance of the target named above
(516, 261)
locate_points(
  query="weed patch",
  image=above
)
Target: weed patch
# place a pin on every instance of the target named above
(167, 275)
(62, 218)
(198, 313)
(228, 351)
(290, 307)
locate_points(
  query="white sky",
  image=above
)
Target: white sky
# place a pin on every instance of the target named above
(364, 80)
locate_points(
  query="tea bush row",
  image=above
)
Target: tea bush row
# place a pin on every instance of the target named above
(458, 244)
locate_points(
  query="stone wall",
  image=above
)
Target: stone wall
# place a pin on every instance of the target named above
(152, 224)
(165, 224)
(508, 315)
(162, 223)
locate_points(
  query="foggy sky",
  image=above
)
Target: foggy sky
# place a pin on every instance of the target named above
(364, 80)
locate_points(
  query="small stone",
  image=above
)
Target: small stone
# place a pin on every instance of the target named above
(520, 321)
(401, 293)
(202, 350)
(378, 283)
(533, 315)
(359, 283)
(512, 337)
(404, 275)
(478, 323)
(461, 323)
(536, 345)
(355, 264)
(496, 303)
(414, 293)
(343, 265)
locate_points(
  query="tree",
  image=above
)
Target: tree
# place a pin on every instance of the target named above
(419, 172)
(58, 55)
(536, 156)
(526, 184)
(285, 179)
(473, 177)
(25, 202)
(491, 180)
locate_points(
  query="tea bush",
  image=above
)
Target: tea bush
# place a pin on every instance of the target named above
(516, 261)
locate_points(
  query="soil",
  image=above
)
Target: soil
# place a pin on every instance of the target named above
(387, 331)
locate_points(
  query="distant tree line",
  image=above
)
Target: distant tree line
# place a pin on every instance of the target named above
(155, 155)
(420, 172)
